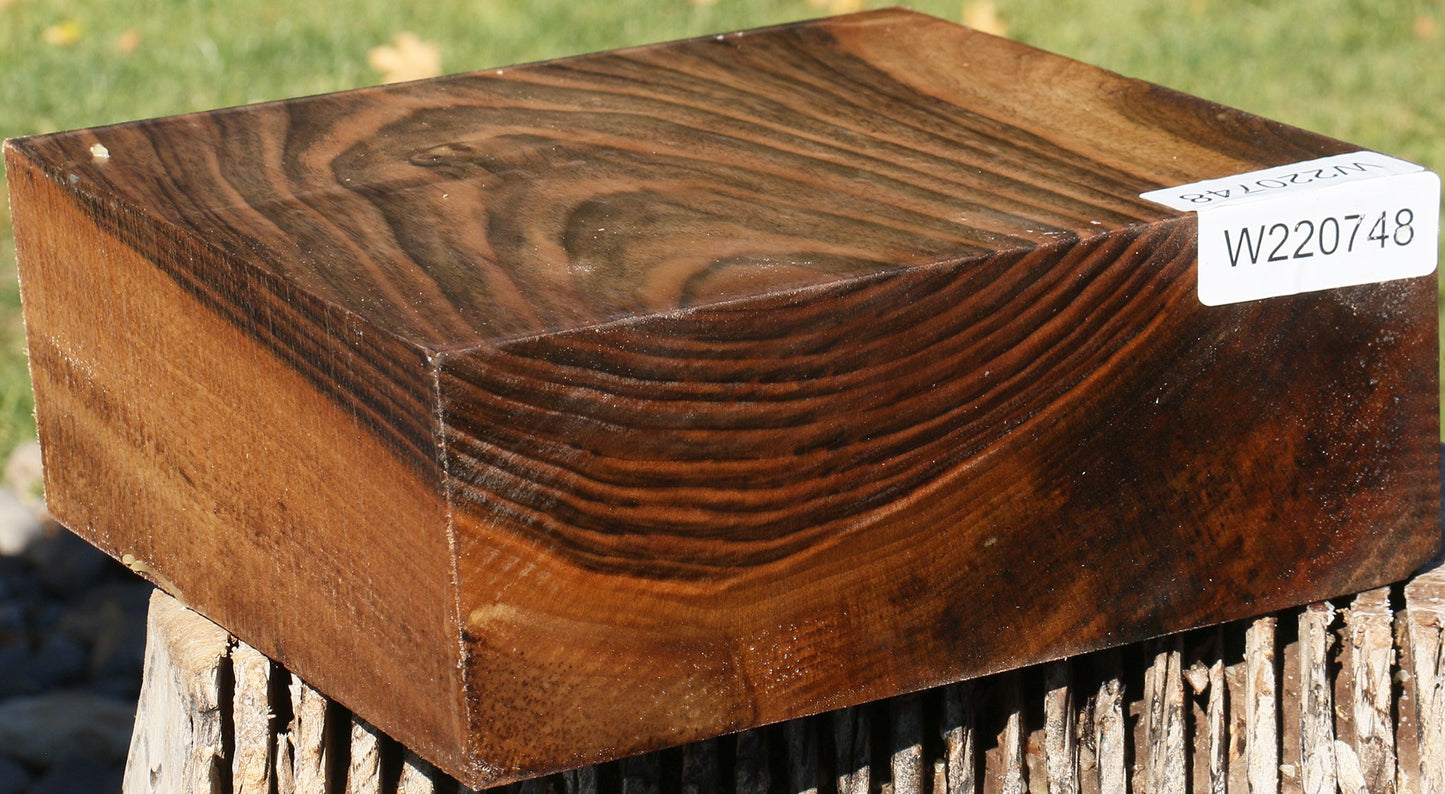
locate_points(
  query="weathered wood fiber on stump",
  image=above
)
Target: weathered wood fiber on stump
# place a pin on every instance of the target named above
(179, 742)
(554, 413)
(956, 739)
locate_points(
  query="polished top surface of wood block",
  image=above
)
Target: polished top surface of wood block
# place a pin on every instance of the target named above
(569, 193)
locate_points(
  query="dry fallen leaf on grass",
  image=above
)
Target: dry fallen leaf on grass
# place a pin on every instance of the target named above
(984, 16)
(838, 6)
(126, 42)
(62, 34)
(406, 58)
(1425, 27)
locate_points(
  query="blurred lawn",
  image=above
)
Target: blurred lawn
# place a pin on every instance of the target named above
(1368, 71)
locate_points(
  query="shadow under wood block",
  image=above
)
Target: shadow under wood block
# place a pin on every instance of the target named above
(547, 415)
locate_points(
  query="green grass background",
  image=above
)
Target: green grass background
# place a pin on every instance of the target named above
(1368, 71)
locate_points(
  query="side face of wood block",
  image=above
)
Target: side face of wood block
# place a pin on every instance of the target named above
(557, 413)
(191, 449)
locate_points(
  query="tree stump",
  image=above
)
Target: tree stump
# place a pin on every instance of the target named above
(1196, 713)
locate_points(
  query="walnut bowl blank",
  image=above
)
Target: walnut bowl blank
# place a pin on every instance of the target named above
(551, 414)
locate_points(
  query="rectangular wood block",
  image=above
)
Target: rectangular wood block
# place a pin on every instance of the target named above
(550, 414)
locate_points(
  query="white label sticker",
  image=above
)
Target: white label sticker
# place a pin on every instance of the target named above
(1334, 222)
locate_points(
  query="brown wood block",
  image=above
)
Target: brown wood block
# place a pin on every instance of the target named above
(555, 413)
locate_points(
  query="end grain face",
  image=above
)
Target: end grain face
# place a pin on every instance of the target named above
(552, 414)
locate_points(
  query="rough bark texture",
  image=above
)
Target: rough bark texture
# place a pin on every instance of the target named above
(178, 745)
(1425, 619)
(924, 743)
(1261, 708)
(1060, 729)
(363, 775)
(1316, 708)
(252, 769)
(1163, 770)
(1371, 656)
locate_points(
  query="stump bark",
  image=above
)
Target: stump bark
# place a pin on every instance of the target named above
(1199, 712)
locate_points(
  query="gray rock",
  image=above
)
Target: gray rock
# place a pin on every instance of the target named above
(12, 620)
(43, 730)
(84, 776)
(24, 476)
(13, 777)
(120, 652)
(66, 565)
(124, 687)
(92, 616)
(60, 660)
(111, 620)
(15, 668)
(44, 613)
(20, 527)
(15, 577)
(127, 596)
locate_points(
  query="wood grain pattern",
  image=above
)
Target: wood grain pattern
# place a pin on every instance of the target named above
(604, 404)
